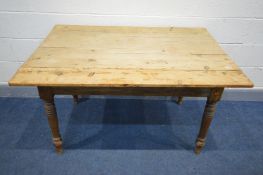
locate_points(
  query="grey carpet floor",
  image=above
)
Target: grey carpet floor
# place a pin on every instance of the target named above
(130, 136)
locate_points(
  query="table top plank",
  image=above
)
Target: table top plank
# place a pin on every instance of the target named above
(95, 56)
(129, 77)
(85, 58)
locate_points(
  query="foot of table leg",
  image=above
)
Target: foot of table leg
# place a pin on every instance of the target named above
(208, 114)
(75, 99)
(58, 145)
(200, 143)
(50, 109)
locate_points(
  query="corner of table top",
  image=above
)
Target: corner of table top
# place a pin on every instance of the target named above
(11, 82)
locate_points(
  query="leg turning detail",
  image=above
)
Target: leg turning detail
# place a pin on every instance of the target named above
(50, 109)
(208, 114)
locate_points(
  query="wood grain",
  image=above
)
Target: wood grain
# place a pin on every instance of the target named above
(93, 56)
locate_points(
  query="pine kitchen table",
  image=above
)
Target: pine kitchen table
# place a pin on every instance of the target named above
(143, 61)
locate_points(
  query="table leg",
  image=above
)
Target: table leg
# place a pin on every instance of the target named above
(208, 114)
(75, 99)
(50, 108)
(179, 100)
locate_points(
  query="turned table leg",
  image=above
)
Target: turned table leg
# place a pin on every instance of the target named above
(208, 114)
(50, 108)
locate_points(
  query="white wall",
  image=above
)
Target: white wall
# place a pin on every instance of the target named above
(236, 24)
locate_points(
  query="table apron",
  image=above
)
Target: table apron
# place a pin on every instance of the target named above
(133, 91)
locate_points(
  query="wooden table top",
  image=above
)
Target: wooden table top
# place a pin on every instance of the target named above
(99, 56)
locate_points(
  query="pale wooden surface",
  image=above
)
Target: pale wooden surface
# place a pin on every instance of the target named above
(89, 56)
